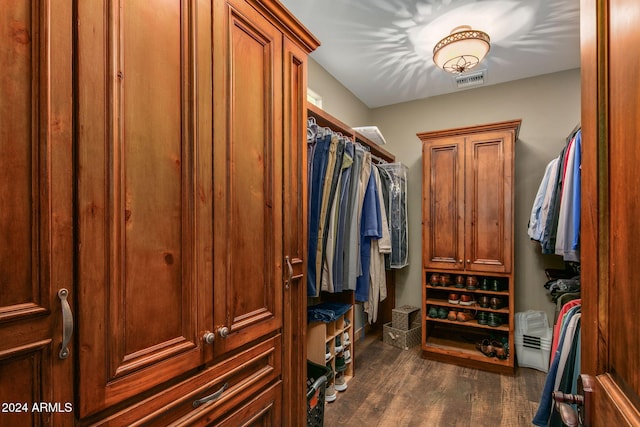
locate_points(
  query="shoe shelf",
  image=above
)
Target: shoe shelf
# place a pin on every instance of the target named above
(442, 345)
(456, 318)
(470, 324)
(331, 344)
(473, 307)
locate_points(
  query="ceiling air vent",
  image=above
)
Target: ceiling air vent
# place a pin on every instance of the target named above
(470, 79)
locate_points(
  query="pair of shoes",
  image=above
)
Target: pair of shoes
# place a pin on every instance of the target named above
(340, 382)
(484, 284)
(492, 348)
(338, 344)
(467, 299)
(465, 316)
(494, 320)
(347, 357)
(327, 354)
(486, 348)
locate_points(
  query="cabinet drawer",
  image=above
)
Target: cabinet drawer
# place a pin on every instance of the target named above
(262, 409)
(244, 373)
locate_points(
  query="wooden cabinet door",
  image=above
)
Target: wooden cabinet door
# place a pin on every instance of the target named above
(248, 168)
(144, 185)
(488, 201)
(443, 203)
(295, 234)
(36, 193)
(610, 212)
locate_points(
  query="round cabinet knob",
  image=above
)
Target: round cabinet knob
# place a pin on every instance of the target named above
(468, 261)
(223, 332)
(209, 337)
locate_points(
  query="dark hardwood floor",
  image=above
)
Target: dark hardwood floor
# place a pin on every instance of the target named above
(397, 388)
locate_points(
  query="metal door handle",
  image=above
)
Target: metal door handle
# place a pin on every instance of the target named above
(67, 323)
(290, 269)
(211, 397)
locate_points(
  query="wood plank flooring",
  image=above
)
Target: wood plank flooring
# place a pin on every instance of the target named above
(397, 388)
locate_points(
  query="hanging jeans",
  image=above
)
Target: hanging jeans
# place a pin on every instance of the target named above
(319, 162)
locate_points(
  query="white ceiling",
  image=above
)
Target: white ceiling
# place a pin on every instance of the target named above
(381, 50)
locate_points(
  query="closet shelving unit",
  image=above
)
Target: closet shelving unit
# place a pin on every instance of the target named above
(467, 231)
(319, 334)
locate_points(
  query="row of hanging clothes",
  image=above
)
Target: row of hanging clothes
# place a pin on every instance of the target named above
(349, 206)
(565, 363)
(555, 216)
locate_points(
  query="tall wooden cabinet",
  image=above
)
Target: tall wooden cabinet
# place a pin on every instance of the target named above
(467, 231)
(172, 211)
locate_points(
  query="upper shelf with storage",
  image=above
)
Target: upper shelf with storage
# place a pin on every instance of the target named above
(468, 198)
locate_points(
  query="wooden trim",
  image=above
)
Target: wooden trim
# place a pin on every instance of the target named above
(508, 125)
(287, 23)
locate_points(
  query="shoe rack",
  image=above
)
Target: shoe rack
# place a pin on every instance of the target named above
(326, 343)
(460, 311)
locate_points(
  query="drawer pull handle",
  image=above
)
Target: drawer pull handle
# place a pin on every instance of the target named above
(211, 397)
(67, 323)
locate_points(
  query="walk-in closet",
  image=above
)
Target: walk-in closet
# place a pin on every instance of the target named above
(324, 213)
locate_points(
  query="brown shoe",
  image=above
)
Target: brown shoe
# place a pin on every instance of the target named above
(465, 316)
(500, 351)
(453, 314)
(486, 348)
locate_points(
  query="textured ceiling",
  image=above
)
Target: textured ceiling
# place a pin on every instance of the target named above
(381, 50)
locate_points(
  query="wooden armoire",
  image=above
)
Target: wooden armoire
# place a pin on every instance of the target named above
(467, 233)
(152, 222)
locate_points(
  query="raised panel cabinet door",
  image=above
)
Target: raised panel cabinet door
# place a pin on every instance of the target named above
(248, 176)
(443, 203)
(144, 119)
(36, 240)
(489, 211)
(295, 233)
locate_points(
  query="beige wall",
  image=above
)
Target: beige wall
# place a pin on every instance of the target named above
(549, 107)
(336, 99)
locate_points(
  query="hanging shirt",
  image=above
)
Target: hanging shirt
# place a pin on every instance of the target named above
(567, 234)
(370, 228)
(536, 222)
(379, 247)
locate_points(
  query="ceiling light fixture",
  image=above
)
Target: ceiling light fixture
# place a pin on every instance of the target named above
(461, 50)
